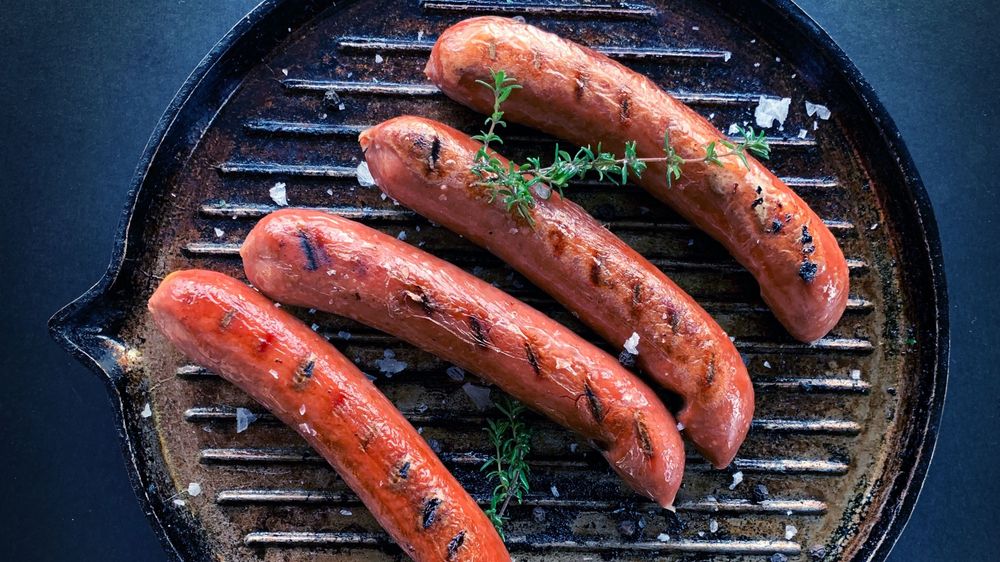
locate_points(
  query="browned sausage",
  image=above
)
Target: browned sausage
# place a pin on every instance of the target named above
(575, 93)
(235, 331)
(313, 259)
(425, 165)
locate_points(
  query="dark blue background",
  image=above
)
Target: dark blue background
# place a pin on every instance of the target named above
(84, 83)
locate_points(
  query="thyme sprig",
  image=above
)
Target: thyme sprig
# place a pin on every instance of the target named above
(517, 186)
(511, 439)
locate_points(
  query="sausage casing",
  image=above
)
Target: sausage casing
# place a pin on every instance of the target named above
(235, 331)
(580, 95)
(310, 258)
(426, 166)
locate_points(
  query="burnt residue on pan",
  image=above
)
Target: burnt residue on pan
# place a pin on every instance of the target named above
(844, 427)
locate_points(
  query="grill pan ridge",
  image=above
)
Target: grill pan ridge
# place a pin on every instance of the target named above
(845, 427)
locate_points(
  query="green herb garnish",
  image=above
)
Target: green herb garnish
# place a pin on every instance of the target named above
(517, 186)
(511, 439)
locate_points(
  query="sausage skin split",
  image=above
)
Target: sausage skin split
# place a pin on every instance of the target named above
(309, 258)
(235, 331)
(580, 95)
(426, 165)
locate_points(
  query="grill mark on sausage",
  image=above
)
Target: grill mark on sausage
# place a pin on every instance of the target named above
(435, 151)
(643, 432)
(596, 409)
(227, 318)
(710, 371)
(624, 107)
(806, 237)
(582, 78)
(305, 371)
(417, 295)
(636, 294)
(265, 342)
(596, 269)
(807, 271)
(557, 240)
(478, 331)
(455, 544)
(310, 251)
(532, 359)
(430, 511)
(776, 226)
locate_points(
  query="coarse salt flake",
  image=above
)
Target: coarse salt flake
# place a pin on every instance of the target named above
(147, 411)
(737, 479)
(480, 395)
(713, 526)
(856, 374)
(726, 55)
(180, 503)
(219, 233)
(554, 490)
(733, 129)
(770, 110)
(631, 344)
(278, 194)
(803, 133)
(378, 58)
(680, 426)
(194, 489)
(663, 537)
(365, 178)
(344, 335)
(767, 364)
(388, 365)
(346, 512)
(284, 71)
(244, 418)
(819, 110)
(790, 532)
(401, 235)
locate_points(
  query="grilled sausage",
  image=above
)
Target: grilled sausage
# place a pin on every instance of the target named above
(577, 94)
(309, 258)
(425, 165)
(235, 331)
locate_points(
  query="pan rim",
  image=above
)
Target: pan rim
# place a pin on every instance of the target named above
(69, 326)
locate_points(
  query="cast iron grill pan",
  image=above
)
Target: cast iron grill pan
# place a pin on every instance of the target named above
(844, 427)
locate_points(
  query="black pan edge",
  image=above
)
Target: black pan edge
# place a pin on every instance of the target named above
(77, 325)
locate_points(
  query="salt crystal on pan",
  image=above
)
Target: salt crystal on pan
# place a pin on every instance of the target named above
(756, 65)
(315, 327)
(346, 512)
(284, 71)
(818, 110)
(455, 373)
(815, 125)
(194, 489)
(420, 34)
(219, 233)
(695, 28)
(631, 343)
(278, 194)
(244, 418)
(873, 227)
(146, 411)
(384, 196)
(378, 58)
(790, 532)
(573, 447)
(733, 129)
(554, 490)
(663, 537)
(803, 133)
(737, 479)
(856, 374)
(767, 364)
(341, 106)
(480, 395)
(726, 55)
(401, 235)
(180, 503)
(770, 110)
(388, 364)
(713, 526)
(365, 178)
(344, 335)
(680, 426)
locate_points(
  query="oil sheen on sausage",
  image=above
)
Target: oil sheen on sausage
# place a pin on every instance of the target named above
(227, 327)
(310, 258)
(425, 165)
(580, 95)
